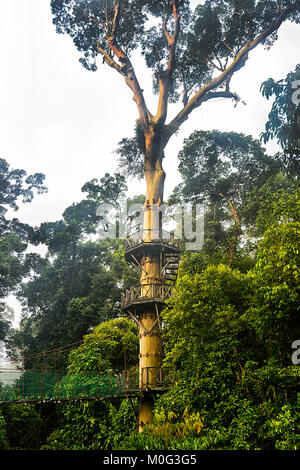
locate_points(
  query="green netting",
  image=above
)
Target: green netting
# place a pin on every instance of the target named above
(16, 386)
(32, 385)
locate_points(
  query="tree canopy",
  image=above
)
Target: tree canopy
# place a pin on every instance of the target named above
(15, 187)
(78, 283)
(229, 328)
(224, 166)
(284, 118)
(191, 53)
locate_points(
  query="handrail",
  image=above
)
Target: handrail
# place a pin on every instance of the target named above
(49, 387)
(156, 377)
(143, 292)
(152, 235)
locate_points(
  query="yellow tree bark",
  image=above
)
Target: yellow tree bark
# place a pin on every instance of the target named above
(150, 360)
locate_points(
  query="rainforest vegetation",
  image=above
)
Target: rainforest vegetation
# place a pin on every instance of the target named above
(230, 327)
(228, 331)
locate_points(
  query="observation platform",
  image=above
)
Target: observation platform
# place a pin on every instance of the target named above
(156, 242)
(144, 294)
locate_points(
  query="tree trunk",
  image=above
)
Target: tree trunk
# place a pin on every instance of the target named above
(234, 240)
(151, 280)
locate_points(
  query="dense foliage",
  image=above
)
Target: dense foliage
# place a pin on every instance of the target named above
(191, 51)
(96, 425)
(78, 283)
(15, 188)
(230, 335)
(229, 330)
(215, 29)
(16, 261)
(284, 118)
(220, 170)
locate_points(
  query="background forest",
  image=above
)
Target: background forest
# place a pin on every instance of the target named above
(228, 331)
(231, 331)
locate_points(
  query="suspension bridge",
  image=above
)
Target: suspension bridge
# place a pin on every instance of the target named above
(20, 384)
(154, 252)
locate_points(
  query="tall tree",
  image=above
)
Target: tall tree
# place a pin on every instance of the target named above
(192, 55)
(15, 187)
(76, 286)
(78, 283)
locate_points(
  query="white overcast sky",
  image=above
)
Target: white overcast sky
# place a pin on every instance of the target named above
(64, 121)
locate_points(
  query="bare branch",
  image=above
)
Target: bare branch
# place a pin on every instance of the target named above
(116, 20)
(165, 76)
(131, 80)
(222, 67)
(165, 30)
(185, 98)
(93, 20)
(125, 67)
(172, 40)
(109, 60)
(228, 47)
(106, 17)
(215, 66)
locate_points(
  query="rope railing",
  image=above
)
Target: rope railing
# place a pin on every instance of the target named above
(51, 355)
(34, 385)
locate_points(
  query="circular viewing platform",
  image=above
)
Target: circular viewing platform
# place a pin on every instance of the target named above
(155, 239)
(145, 294)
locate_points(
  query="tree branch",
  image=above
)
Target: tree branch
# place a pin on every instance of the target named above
(128, 72)
(205, 92)
(165, 30)
(165, 76)
(93, 20)
(116, 20)
(109, 60)
(210, 62)
(125, 68)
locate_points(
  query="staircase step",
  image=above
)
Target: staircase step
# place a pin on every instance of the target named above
(171, 262)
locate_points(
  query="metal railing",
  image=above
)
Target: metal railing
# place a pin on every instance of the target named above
(156, 377)
(146, 292)
(148, 377)
(152, 235)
